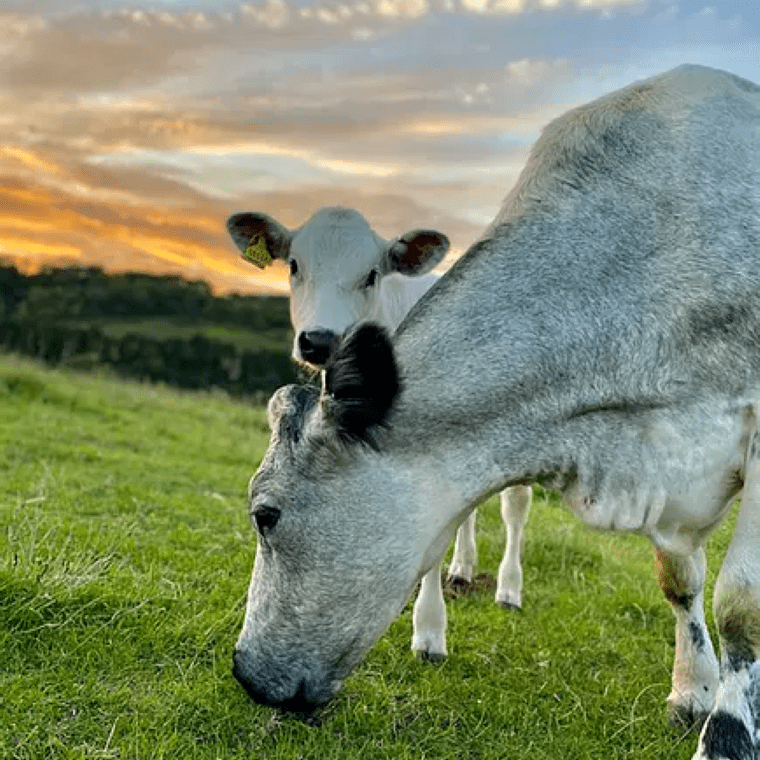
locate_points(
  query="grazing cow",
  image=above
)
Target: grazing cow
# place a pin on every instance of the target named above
(343, 273)
(603, 339)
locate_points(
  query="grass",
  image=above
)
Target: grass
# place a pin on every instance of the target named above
(125, 555)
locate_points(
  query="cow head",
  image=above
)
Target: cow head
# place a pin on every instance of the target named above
(340, 544)
(337, 265)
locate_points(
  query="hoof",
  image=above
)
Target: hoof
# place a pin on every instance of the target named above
(433, 657)
(510, 606)
(685, 717)
(454, 587)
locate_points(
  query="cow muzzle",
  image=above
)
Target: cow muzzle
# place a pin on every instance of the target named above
(316, 346)
(276, 689)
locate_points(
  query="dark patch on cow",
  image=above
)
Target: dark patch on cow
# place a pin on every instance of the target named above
(738, 652)
(681, 600)
(718, 321)
(753, 697)
(753, 449)
(738, 658)
(362, 381)
(726, 738)
(672, 585)
(697, 635)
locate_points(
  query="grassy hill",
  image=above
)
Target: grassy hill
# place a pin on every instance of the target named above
(148, 327)
(125, 555)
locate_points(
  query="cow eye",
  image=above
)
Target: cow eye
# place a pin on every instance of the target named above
(293, 267)
(371, 279)
(265, 518)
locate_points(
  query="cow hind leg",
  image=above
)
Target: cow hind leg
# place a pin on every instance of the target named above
(515, 506)
(732, 730)
(695, 668)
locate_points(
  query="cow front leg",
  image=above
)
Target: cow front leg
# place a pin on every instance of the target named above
(695, 669)
(465, 553)
(429, 618)
(515, 506)
(732, 731)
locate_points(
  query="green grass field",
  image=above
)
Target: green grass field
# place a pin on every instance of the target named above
(125, 554)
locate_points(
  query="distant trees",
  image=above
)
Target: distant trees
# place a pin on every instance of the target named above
(69, 315)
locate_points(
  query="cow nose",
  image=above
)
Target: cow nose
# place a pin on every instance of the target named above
(316, 346)
(257, 694)
(297, 702)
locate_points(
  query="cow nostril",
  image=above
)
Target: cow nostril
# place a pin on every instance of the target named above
(304, 342)
(258, 695)
(316, 346)
(299, 703)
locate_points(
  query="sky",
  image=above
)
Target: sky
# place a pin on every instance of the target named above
(130, 131)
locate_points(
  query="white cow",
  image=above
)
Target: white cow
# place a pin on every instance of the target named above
(343, 273)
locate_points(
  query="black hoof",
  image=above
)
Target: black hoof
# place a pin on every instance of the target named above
(433, 657)
(510, 606)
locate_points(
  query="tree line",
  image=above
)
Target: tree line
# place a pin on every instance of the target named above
(61, 316)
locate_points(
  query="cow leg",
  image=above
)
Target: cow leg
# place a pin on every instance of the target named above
(429, 618)
(515, 506)
(465, 552)
(732, 730)
(695, 670)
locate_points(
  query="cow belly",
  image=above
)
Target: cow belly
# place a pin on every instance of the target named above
(672, 478)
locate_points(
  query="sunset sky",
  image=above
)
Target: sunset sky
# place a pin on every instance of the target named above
(130, 131)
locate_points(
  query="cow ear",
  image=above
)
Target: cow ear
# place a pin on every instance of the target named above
(416, 252)
(259, 238)
(361, 382)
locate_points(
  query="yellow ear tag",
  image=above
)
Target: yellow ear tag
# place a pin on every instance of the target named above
(258, 254)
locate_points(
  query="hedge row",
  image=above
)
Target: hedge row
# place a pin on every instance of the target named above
(195, 363)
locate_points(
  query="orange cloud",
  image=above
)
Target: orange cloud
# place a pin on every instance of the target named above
(42, 225)
(28, 159)
(24, 247)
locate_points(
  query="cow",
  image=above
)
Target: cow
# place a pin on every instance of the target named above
(343, 273)
(602, 339)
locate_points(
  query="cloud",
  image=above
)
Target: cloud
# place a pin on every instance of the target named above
(51, 212)
(128, 132)
(127, 219)
(274, 13)
(531, 72)
(112, 50)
